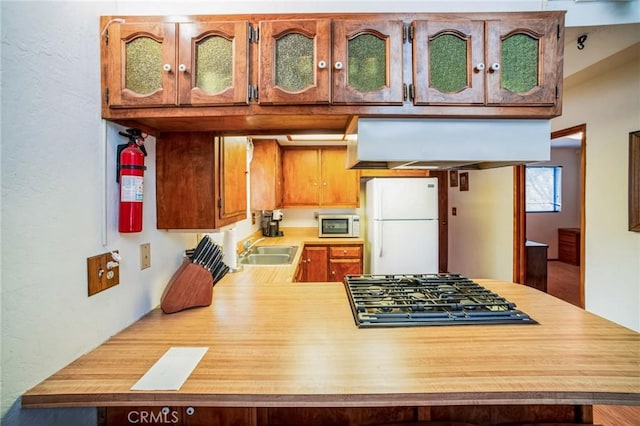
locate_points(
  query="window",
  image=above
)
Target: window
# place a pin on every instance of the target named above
(543, 189)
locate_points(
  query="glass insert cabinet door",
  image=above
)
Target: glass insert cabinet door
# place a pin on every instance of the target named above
(522, 60)
(294, 63)
(213, 66)
(367, 62)
(448, 59)
(141, 60)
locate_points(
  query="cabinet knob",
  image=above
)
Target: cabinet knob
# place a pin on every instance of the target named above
(182, 68)
(190, 411)
(322, 65)
(494, 67)
(479, 67)
(344, 251)
(166, 67)
(338, 65)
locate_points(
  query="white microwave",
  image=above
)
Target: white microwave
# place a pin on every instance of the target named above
(339, 225)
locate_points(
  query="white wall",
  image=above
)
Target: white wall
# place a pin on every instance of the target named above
(53, 191)
(543, 227)
(52, 186)
(609, 104)
(481, 234)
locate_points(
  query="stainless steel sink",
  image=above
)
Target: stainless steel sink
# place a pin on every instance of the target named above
(288, 250)
(269, 255)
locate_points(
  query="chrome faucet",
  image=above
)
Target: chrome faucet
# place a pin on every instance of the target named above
(248, 245)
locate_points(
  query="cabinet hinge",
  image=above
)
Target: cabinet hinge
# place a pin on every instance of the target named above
(253, 93)
(106, 96)
(557, 92)
(405, 33)
(412, 92)
(411, 33)
(558, 32)
(219, 203)
(405, 91)
(106, 36)
(254, 34)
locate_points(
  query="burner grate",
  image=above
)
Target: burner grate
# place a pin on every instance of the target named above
(427, 299)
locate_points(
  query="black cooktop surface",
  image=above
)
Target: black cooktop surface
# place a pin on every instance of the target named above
(427, 299)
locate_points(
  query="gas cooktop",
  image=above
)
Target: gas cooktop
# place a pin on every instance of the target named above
(427, 299)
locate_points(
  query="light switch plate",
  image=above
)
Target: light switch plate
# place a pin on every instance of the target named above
(145, 256)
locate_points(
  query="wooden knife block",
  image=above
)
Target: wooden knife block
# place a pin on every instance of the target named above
(190, 286)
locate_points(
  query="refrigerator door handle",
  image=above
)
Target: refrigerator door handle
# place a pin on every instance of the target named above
(380, 237)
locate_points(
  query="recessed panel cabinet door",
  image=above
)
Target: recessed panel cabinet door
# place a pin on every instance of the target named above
(340, 186)
(141, 70)
(522, 61)
(448, 59)
(294, 62)
(213, 63)
(232, 165)
(301, 177)
(367, 62)
(315, 260)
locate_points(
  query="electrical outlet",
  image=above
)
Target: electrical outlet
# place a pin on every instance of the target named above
(145, 256)
(103, 272)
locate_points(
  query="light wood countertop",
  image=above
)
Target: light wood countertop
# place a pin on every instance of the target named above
(276, 343)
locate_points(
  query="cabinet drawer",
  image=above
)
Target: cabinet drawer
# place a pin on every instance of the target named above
(345, 252)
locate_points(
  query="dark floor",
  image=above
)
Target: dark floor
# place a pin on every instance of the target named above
(563, 281)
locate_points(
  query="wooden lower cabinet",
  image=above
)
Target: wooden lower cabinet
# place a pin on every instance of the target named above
(314, 263)
(321, 263)
(347, 416)
(536, 271)
(180, 416)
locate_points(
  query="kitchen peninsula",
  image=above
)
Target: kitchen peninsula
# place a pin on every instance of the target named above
(284, 353)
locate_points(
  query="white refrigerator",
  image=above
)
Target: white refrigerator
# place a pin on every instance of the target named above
(402, 231)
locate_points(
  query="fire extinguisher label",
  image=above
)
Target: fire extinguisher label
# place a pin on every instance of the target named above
(131, 189)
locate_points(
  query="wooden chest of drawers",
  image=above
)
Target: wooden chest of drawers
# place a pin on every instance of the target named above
(569, 245)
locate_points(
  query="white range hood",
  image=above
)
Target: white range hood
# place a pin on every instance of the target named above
(410, 143)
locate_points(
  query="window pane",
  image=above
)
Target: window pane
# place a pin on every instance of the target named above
(543, 189)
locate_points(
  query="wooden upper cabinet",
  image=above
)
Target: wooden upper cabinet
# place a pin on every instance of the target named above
(207, 65)
(301, 177)
(213, 63)
(232, 184)
(294, 61)
(141, 61)
(318, 177)
(340, 186)
(200, 180)
(266, 175)
(448, 59)
(493, 62)
(525, 52)
(367, 62)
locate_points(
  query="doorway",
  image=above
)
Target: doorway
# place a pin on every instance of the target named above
(568, 275)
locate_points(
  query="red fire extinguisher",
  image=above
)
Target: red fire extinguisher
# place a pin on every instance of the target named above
(130, 176)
